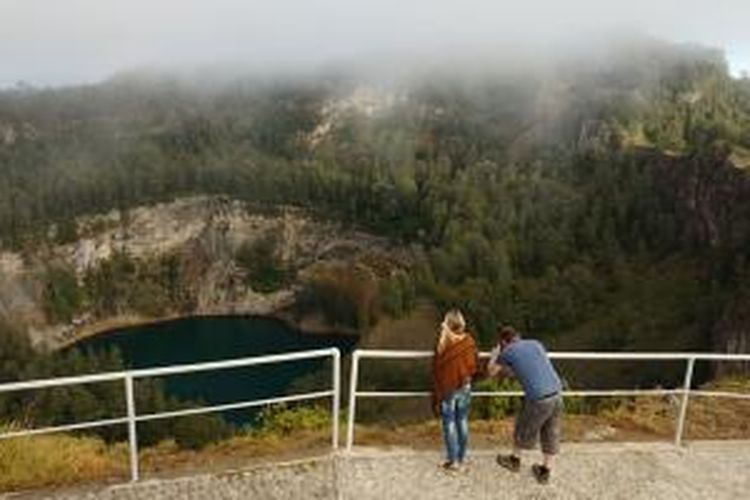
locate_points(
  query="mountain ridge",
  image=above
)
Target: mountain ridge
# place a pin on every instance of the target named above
(566, 198)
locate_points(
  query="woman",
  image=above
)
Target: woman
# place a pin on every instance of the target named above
(454, 365)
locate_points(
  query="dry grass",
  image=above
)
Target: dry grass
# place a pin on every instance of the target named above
(56, 460)
(61, 460)
(707, 418)
(720, 418)
(498, 433)
(240, 451)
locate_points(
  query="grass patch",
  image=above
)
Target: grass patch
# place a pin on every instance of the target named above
(56, 460)
(707, 417)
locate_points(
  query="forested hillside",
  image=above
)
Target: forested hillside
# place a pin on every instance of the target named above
(600, 203)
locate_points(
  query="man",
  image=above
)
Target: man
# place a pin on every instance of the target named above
(542, 407)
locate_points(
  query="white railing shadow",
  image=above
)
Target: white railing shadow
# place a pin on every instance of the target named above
(132, 417)
(685, 391)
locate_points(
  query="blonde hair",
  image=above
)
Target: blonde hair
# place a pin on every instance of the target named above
(453, 325)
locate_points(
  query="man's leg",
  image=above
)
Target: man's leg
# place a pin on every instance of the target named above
(525, 433)
(550, 438)
(550, 433)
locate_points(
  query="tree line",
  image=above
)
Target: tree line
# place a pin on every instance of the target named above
(572, 226)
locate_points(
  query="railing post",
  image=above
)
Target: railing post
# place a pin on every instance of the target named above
(132, 436)
(335, 410)
(352, 401)
(684, 404)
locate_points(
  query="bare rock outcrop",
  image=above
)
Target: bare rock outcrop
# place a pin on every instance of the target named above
(204, 235)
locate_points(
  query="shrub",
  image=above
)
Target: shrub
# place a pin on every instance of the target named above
(500, 406)
(283, 420)
(578, 404)
(398, 295)
(198, 431)
(347, 295)
(265, 271)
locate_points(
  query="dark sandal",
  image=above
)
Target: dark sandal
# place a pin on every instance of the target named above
(510, 462)
(541, 473)
(449, 466)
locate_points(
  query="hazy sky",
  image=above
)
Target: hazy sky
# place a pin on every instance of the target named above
(50, 42)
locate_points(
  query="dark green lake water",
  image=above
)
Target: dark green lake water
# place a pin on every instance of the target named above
(195, 340)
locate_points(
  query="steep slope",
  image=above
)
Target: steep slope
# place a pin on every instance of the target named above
(598, 201)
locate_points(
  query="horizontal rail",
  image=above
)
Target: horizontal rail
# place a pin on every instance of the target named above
(720, 394)
(93, 424)
(234, 363)
(232, 406)
(165, 371)
(622, 393)
(675, 356)
(665, 356)
(62, 381)
(391, 394)
(484, 394)
(375, 353)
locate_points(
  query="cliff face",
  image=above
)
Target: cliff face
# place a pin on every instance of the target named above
(711, 199)
(203, 235)
(731, 334)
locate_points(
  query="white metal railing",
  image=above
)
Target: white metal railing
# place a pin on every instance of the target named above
(685, 391)
(132, 417)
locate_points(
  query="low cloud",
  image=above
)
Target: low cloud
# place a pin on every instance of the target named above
(70, 41)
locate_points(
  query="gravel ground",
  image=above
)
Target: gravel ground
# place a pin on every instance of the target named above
(612, 471)
(716, 470)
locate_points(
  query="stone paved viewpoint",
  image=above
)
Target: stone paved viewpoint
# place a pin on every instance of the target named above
(701, 470)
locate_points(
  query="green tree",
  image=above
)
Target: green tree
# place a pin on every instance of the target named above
(62, 295)
(265, 271)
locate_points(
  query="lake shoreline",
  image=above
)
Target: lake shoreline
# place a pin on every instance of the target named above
(116, 324)
(196, 340)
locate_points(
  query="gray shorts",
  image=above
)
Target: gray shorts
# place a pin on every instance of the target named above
(539, 420)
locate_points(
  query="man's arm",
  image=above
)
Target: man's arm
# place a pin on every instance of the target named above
(498, 370)
(495, 368)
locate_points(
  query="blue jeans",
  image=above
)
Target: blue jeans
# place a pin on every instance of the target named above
(454, 412)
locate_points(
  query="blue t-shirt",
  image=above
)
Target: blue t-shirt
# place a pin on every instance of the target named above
(532, 368)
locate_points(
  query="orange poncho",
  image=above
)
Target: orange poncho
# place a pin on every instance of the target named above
(453, 367)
